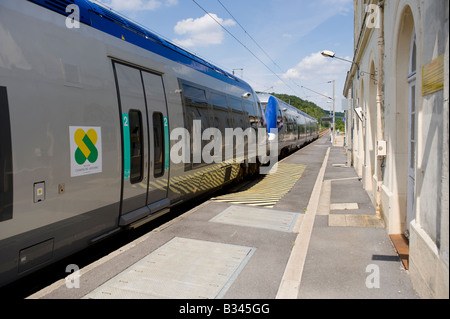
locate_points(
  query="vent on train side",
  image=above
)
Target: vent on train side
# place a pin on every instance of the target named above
(60, 6)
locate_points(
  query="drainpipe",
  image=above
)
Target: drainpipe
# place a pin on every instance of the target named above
(380, 106)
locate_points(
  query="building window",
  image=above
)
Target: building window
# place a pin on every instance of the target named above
(412, 101)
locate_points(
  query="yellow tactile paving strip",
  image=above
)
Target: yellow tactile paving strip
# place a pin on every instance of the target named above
(270, 190)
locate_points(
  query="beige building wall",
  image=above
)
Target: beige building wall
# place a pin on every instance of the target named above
(401, 47)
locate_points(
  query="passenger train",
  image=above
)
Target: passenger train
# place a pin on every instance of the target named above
(295, 128)
(86, 115)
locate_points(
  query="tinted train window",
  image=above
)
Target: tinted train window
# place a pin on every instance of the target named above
(236, 104)
(136, 146)
(195, 95)
(218, 101)
(250, 109)
(195, 109)
(6, 179)
(158, 138)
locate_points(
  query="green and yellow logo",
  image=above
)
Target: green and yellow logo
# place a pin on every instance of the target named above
(86, 150)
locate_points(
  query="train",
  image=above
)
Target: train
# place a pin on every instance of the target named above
(294, 127)
(89, 101)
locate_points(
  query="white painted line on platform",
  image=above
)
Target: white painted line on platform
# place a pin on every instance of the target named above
(290, 283)
(344, 206)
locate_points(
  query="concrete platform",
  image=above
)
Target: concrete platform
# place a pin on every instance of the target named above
(315, 236)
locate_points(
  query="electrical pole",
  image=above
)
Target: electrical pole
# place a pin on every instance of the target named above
(333, 135)
(334, 117)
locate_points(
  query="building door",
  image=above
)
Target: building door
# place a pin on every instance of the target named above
(412, 136)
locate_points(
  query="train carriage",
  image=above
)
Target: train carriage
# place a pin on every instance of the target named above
(295, 128)
(86, 114)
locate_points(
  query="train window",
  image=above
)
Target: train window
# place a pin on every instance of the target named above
(250, 108)
(260, 111)
(251, 111)
(6, 179)
(218, 101)
(264, 107)
(158, 141)
(136, 146)
(195, 109)
(279, 119)
(236, 104)
(195, 95)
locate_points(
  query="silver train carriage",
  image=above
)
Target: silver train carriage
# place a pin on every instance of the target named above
(294, 127)
(86, 110)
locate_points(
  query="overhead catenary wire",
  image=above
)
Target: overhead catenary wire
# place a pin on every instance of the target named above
(257, 44)
(248, 34)
(242, 44)
(326, 96)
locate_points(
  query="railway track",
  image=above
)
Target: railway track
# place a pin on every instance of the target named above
(323, 132)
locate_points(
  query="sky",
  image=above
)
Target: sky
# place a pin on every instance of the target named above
(274, 45)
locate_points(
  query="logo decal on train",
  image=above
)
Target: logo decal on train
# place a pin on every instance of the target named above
(86, 146)
(85, 150)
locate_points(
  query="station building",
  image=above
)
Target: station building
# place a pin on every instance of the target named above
(398, 124)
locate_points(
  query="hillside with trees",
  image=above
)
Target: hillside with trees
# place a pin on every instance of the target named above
(308, 107)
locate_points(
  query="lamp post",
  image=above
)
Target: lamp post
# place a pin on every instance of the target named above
(334, 117)
(331, 54)
(333, 98)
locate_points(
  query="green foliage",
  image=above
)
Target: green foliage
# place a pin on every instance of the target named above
(308, 107)
(339, 124)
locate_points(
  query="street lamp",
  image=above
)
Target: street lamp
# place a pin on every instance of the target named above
(331, 54)
(328, 54)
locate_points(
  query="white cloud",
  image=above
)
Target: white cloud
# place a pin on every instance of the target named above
(202, 31)
(316, 72)
(316, 67)
(334, 7)
(171, 3)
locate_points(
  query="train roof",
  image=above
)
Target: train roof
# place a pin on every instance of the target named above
(102, 18)
(264, 98)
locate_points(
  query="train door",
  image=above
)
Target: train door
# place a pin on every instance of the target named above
(145, 143)
(159, 141)
(134, 140)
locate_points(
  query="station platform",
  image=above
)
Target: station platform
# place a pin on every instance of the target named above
(307, 231)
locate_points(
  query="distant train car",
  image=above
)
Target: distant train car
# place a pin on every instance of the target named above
(295, 128)
(86, 114)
